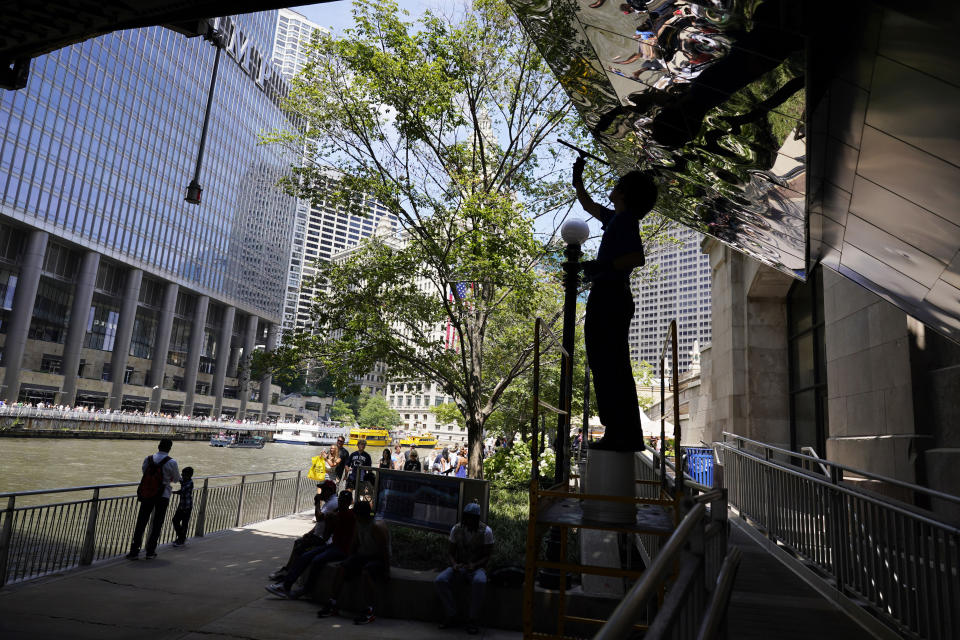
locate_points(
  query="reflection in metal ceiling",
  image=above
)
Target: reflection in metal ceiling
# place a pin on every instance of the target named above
(790, 136)
(709, 98)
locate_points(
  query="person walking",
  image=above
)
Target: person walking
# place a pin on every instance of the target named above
(159, 470)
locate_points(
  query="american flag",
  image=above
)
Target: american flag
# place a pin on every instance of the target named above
(458, 291)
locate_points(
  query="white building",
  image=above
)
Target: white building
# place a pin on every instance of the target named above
(290, 41)
(678, 289)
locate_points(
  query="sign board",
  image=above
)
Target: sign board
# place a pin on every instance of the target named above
(426, 500)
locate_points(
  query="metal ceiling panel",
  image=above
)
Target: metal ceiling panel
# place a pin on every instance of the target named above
(708, 96)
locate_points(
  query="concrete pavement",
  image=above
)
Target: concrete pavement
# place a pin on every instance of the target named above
(211, 589)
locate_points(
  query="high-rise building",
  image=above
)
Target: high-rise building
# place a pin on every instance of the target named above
(676, 288)
(291, 37)
(115, 292)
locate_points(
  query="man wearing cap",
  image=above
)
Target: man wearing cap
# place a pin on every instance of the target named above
(369, 558)
(324, 505)
(471, 542)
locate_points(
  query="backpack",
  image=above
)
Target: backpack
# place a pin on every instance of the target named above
(151, 484)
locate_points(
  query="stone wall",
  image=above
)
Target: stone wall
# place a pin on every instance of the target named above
(869, 386)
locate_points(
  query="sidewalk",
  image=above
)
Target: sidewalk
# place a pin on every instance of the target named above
(211, 589)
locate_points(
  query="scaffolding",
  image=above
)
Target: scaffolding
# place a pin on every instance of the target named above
(561, 510)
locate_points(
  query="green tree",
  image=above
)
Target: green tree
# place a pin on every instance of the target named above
(445, 123)
(341, 412)
(448, 413)
(376, 413)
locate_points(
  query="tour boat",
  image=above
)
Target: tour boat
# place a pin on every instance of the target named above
(248, 442)
(221, 440)
(425, 439)
(374, 437)
(312, 434)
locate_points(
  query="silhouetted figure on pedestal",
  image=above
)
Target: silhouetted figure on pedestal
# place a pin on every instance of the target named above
(610, 304)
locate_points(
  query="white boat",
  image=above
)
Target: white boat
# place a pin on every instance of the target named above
(312, 434)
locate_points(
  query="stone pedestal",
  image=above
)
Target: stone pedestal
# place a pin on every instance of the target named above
(610, 473)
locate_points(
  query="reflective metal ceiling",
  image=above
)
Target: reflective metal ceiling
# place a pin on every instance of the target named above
(783, 131)
(710, 97)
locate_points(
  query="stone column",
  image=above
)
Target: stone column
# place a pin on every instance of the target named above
(23, 300)
(121, 344)
(197, 334)
(161, 344)
(223, 357)
(272, 330)
(243, 373)
(77, 331)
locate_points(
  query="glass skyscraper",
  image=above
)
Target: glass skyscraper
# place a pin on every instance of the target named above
(115, 291)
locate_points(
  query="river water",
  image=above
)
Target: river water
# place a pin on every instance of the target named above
(27, 464)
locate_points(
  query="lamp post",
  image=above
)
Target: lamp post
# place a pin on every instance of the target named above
(574, 232)
(194, 190)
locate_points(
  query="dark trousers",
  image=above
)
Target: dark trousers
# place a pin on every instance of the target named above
(606, 330)
(156, 507)
(181, 520)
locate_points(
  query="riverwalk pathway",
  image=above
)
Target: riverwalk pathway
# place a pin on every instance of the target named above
(211, 589)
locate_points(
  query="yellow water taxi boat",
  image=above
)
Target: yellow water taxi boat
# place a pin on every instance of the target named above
(374, 437)
(420, 440)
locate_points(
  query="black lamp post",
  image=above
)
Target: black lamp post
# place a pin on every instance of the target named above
(574, 233)
(194, 190)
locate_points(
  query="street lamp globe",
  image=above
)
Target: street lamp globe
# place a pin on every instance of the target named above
(575, 231)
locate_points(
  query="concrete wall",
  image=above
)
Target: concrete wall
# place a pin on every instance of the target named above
(869, 386)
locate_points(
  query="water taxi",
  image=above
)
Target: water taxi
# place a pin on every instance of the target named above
(419, 440)
(374, 437)
(321, 435)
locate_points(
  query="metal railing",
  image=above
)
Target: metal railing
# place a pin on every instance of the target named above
(695, 581)
(37, 540)
(897, 558)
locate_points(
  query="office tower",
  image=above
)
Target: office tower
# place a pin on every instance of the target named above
(115, 292)
(675, 285)
(291, 37)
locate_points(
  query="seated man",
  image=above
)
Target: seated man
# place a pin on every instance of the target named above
(324, 503)
(369, 558)
(339, 526)
(471, 542)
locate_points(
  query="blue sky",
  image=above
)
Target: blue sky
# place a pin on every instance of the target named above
(338, 16)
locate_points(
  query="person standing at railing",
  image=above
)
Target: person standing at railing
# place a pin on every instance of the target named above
(159, 470)
(181, 517)
(610, 305)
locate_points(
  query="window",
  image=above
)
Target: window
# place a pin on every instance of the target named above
(807, 363)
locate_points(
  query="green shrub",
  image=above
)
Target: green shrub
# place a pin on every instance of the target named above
(510, 466)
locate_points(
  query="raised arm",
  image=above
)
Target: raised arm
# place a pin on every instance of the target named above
(599, 212)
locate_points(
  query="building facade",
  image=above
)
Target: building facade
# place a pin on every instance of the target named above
(677, 287)
(116, 292)
(291, 37)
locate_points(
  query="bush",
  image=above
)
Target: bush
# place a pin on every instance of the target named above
(509, 467)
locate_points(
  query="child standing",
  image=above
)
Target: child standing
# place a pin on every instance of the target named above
(181, 517)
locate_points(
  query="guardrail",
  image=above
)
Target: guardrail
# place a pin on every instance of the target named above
(897, 558)
(37, 540)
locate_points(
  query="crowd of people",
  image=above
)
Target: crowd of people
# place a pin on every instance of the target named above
(346, 532)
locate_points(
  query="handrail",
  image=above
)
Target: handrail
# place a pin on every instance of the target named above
(810, 451)
(933, 493)
(38, 492)
(622, 618)
(721, 597)
(900, 508)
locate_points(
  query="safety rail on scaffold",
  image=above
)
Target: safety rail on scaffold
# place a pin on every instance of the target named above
(896, 557)
(40, 539)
